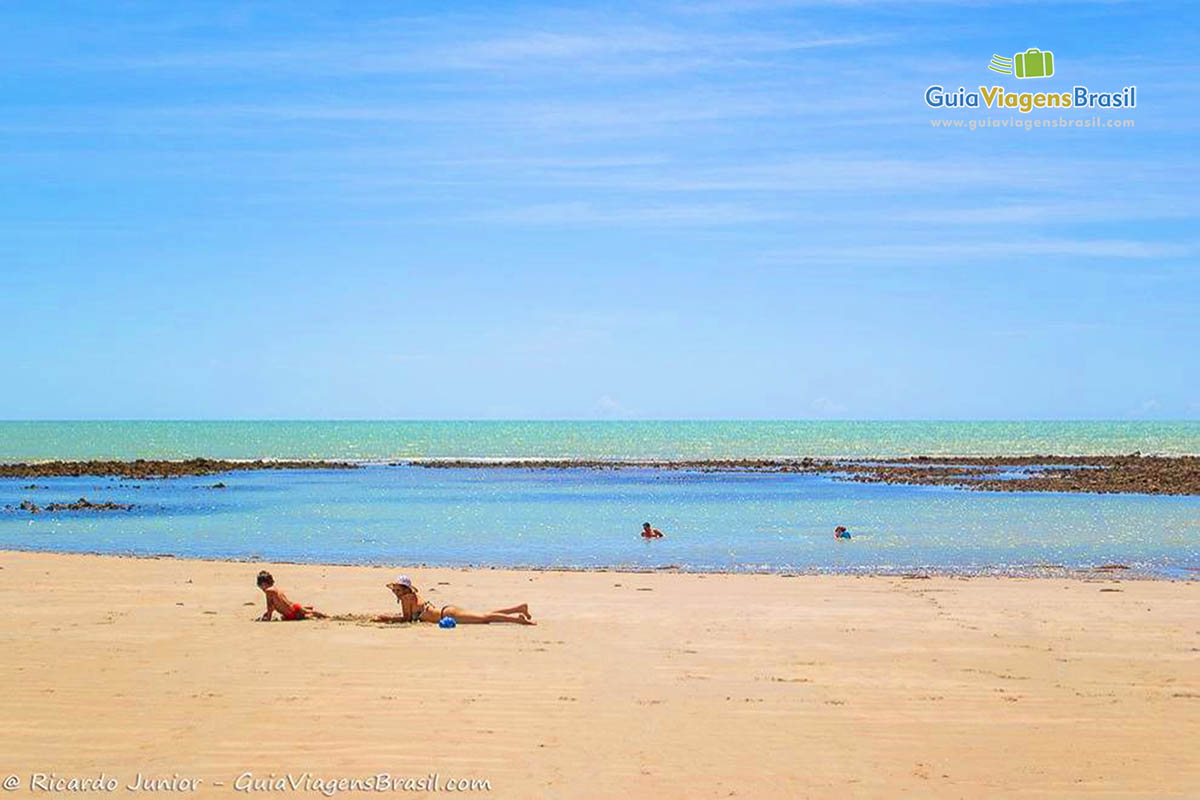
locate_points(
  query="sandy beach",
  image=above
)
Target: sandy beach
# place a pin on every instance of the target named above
(642, 685)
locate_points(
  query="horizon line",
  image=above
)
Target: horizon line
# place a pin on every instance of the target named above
(509, 420)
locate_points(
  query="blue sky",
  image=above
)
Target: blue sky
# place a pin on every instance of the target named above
(719, 209)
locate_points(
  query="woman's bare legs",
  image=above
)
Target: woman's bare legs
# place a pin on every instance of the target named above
(472, 618)
(521, 611)
(309, 611)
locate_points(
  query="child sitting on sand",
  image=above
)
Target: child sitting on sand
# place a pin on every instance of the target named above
(414, 609)
(277, 601)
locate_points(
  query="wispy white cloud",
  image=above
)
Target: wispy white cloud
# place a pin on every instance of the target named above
(591, 46)
(589, 214)
(823, 173)
(1048, 213)
(759, 6)
(982, 250)
(553, 46)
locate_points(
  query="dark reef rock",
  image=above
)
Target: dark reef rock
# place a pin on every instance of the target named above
(155, 469)
(82, 504)
(1131, 474)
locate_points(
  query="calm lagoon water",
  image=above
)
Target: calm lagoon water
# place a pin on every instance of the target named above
(590, 518)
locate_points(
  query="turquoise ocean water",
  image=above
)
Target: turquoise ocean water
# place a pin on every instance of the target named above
(35, 441)
(590, 518)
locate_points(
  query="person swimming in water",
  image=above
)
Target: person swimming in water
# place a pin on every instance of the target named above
(277, 602)
(650, 533)
(414, 609)
(840, 532)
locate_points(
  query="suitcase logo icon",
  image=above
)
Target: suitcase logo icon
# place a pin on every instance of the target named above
(1033, 63)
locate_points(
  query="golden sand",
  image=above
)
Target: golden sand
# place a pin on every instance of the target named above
(632, 685)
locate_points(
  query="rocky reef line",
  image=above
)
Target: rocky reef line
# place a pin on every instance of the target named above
(147, 469)
(1133, 473)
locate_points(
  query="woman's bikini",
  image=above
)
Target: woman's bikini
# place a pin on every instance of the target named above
(419, 608)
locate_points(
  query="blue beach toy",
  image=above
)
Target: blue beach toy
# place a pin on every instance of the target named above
(447, 622)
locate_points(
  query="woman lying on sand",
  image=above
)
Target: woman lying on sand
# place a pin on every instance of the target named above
(414, 609)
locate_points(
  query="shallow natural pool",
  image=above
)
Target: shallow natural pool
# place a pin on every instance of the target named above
(590, 518)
